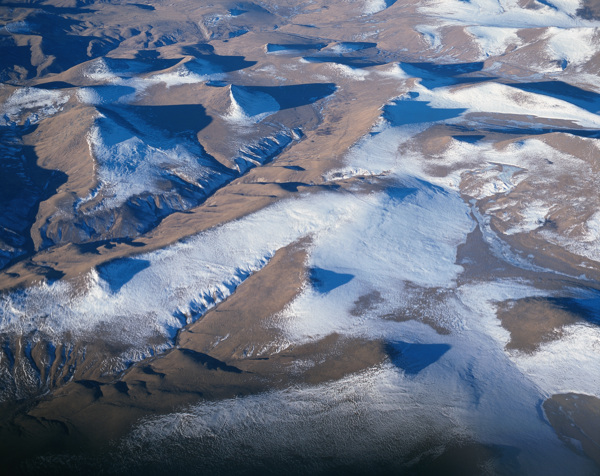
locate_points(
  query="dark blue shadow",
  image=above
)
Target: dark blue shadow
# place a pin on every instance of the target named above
(413, 111)
(240, 32)
(295, 95)
(469, 138)
(120, 272)
(353, 62)
(587, 309)
(324, 280)
(111, 93)
(412, 358)
(236, 12)
(357, 45)
(548, 4)
(439, 75)
(593, 133)
(294, 47)
(400, 193)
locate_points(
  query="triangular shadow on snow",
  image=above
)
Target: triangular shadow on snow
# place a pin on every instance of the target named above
(413, 358)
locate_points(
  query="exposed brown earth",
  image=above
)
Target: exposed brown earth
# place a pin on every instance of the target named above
(576, 419)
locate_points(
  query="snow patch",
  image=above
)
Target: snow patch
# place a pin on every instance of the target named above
(573, 46)
(493, 41)
(502, 99)
(128, 75)
(431, 35)
(532, 217)
(346, 71)
(174, 284)
(17, 28)
(504, 13)
(130, 166)
(374, 6)
(32, 104)
(395, 71)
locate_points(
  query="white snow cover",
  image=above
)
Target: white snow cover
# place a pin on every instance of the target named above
(493, 41)
(431, 35)
(357, 74)
(532, 218)
(17, 27)
(375, 6)
(347, 47)
(409, 234)
(587, 244)
(573, 359)
(130, 166)
(495, 24)
(383, 415)
(133, 83)
(574, 45)
(504, 13)
(196, 71)
(466, 387)
(32, 104)
(593, 227)
(183, 279)
(394, 71)
(502, 99)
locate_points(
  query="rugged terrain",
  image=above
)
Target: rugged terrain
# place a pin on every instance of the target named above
(331, 237)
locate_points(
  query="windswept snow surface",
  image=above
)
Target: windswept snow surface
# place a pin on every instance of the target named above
(557, 37)
(504, 13)
(383, 414)
(184, 279)
(573, 45)
(130, 165)
(495, 98)
(32, 105)
(493, 41)
(136, 158)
